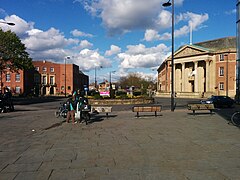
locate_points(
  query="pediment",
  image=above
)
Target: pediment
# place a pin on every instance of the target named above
(189, 51)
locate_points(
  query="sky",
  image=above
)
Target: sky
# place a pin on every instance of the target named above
(114, 37)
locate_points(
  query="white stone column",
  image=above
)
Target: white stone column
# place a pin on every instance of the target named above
(183, 77)
(196, 76)
(207, 78)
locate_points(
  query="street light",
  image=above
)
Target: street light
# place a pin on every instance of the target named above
(65, 76)
(96, 77)
(10, 24)
(110, 83)
(167, 4)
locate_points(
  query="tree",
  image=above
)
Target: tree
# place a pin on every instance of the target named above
(13, 55)
(135, 79)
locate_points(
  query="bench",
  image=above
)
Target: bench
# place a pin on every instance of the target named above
(194, 107)
(147, 108)
(102, 109)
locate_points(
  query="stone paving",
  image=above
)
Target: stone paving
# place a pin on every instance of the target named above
(173, 145)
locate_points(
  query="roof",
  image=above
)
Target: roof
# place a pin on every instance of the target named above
(218, 44)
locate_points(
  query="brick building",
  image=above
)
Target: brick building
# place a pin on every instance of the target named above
(48, 78)
(201, 70)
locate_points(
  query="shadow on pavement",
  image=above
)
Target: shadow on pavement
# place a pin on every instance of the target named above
(34, 100)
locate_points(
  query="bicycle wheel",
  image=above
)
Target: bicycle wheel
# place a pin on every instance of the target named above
(235, 119)
(57, 114)
(64, 113)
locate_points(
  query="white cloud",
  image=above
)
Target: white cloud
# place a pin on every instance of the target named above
(113, 50)
(40, 41)
(52, 45)
(126, 15)
(83, 44)
(88, 59)
(20, 27)
(151, 35)
(141, 57)
(230, 12)
(164, 20)
(78, 33)
(191, 19)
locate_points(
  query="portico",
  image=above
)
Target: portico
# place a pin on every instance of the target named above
(197, 72)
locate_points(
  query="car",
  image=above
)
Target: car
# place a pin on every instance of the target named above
(219, 101)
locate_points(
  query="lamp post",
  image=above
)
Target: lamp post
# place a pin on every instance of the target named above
(96, 77)
(167, 4)
(110, 83)
(10, 24)
(65, 76)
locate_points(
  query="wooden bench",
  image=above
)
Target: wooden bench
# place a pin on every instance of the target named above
(102, 109)
(195, 107)
(147, 108)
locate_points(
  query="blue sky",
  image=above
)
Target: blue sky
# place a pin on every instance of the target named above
(124, 36)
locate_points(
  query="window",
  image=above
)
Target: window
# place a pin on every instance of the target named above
(37, 68)
(221, 86)
(44, 80)
(69, 88)
(17, 77)
(44, 69)
(221, 57)
(51, 69)
(18, 90)
(51, 80)
(8, 78)
(221, 71)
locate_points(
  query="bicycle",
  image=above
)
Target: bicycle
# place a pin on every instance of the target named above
(62, 111)
(235, 119)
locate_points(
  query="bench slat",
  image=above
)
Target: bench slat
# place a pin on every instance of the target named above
(194, 107)
(146, 108)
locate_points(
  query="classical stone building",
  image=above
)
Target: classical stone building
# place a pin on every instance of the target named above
(201, 70)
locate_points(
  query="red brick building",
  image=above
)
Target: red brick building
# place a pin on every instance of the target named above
(48, 78)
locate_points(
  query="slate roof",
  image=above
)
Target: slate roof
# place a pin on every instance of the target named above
(219, 44)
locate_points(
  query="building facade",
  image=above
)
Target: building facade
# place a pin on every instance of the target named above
(47, 78)
(238, 53)
(201, 70)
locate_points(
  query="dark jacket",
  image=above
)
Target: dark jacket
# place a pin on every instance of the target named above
(73, 102)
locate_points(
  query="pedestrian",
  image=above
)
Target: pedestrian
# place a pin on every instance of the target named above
(71, 107)
(81, 102)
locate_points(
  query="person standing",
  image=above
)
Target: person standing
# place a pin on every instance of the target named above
(71, 107)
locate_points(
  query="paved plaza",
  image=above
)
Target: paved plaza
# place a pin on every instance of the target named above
(173, 145)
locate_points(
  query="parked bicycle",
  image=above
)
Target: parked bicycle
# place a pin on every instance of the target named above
(62, 111)
(235, 119)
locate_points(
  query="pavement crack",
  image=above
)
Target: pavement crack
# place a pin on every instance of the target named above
(50, 174)
(4, 167)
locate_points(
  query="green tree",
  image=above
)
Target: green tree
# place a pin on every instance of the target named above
(13, 55)
(135, 79)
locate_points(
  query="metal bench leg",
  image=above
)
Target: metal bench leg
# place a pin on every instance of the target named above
(155, 113)
(137, 114)
(107, 115)
(193, 112)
